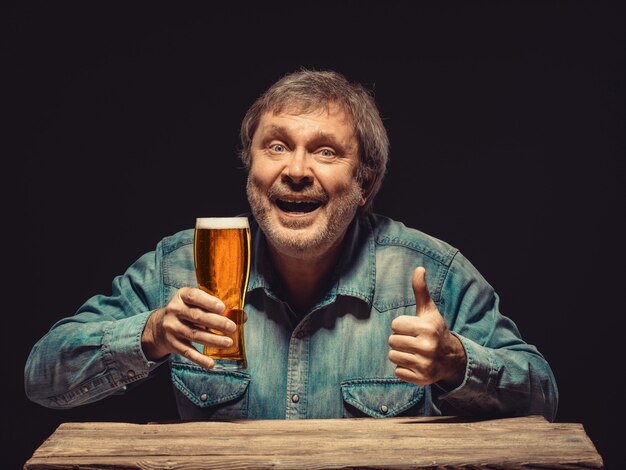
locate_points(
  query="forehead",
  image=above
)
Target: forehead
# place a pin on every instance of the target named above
(330, 118)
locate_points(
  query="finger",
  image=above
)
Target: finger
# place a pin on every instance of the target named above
(404, 343)
(402, 359)
(411, 325)
(198, 298)
(420, 290)
(208, 320)
(414, 362)
(411, 376)
(206, 338)
(191, 353)
(422, 345)
(419, 367)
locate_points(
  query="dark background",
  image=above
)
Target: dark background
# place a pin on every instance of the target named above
(507, 130)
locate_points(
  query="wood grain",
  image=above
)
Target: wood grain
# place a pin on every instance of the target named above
(436, 442)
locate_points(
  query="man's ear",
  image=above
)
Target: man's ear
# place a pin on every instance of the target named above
(366, 190)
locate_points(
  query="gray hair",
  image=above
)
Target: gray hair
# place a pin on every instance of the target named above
(309, 90)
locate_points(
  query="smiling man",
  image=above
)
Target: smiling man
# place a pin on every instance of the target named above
(303, 193)
(349, 313)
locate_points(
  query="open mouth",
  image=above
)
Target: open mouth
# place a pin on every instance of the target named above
(297, 206)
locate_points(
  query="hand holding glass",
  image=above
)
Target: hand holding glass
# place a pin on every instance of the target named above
(222, 262)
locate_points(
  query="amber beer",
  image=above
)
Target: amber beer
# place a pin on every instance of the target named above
(222, 261)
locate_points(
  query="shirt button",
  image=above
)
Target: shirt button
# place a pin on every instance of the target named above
(295, 398)
(300, 334)
(384, 409)
(130, 374)
(204, 397)
(85, 389)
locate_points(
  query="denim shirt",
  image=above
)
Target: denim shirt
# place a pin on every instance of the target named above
(330, 362)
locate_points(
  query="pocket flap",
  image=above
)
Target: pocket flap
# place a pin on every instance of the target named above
(381, 398)
(207, 388)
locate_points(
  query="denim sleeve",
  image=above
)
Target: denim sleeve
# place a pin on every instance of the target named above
(504, 375)
(97, 352)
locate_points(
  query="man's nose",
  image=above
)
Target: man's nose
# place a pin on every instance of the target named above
(298, 167)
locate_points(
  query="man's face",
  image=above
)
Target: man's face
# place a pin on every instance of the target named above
(301, 185)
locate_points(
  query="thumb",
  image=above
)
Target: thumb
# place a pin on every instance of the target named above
(420, 289)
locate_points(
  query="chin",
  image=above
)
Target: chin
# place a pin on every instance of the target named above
(296, 244)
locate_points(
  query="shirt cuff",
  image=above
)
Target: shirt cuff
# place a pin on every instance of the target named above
(480, 372)
(122, 349)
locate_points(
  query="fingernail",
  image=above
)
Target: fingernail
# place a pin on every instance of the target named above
(228, 342)
(220, 306)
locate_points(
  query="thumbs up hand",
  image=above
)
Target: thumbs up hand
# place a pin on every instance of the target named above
(422, 347)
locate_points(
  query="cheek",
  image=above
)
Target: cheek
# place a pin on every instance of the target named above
(337, 180)
(263, 173)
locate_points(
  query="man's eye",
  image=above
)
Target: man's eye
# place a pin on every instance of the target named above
(327, 153)
(278, 148)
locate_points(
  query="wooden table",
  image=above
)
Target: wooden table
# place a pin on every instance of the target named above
(337, 443)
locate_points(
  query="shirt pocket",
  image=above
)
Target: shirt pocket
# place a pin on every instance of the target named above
(380, 398)
(222, 394)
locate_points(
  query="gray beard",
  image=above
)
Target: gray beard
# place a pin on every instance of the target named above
(294, 244)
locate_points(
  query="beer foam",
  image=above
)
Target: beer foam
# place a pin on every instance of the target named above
(222, 222)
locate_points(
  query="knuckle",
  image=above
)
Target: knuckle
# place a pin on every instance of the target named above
(222, 323)
(428, 328)
(167, 322)
(429, 344)
(429, 369)
(427, 341)
(174, 304)
(227, 324)
(434, 344)
(193, 333)
(398, 323)
(394, 357)
(195, 316)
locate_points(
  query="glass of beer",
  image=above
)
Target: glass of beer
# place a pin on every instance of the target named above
(222, 261)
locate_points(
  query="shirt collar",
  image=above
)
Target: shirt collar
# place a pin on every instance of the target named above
(354, 276)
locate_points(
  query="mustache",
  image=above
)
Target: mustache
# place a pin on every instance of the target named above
(284, 191)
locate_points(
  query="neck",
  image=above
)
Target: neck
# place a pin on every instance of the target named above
(304, 279)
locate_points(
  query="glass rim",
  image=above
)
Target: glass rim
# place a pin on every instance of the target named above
(222, 222)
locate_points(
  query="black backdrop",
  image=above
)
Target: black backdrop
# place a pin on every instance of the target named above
(507, 131)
